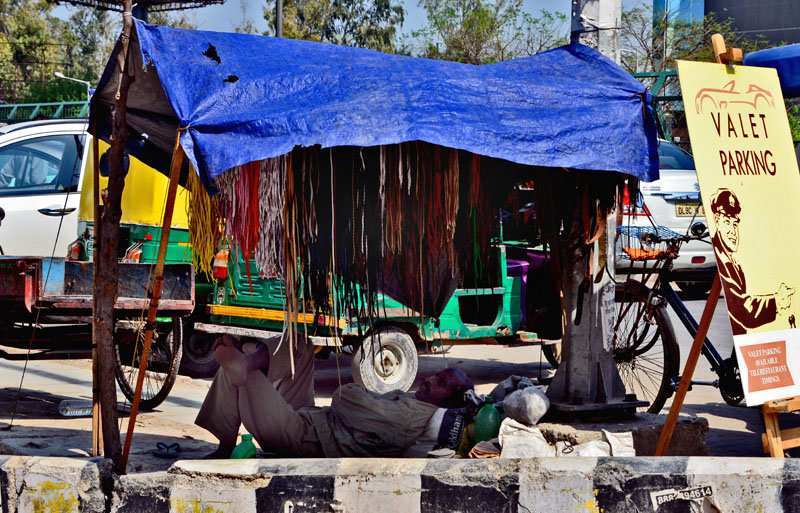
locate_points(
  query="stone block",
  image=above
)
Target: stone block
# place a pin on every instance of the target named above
(688, 439)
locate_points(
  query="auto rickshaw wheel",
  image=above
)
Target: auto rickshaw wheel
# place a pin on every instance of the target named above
(162, 362)
(385, 361)
(198, 356)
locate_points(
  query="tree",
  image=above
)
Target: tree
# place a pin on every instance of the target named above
(364, 23)
(175, 19)
(481, 31)
(653, 42)
(29, 49)
(245, 25)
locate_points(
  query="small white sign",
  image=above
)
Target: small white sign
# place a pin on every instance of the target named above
(688, 494)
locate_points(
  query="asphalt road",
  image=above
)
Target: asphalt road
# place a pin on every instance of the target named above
(39, 429)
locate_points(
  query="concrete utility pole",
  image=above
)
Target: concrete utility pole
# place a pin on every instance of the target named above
(587, 379)
(278, 18)
(595, 23)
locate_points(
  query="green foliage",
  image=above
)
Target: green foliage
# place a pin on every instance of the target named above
(482, 31)
(364, 23)
(34, 44)
(793, 113)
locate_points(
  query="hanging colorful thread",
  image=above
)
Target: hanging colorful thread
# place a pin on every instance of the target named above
(206, 226)
(271, 200)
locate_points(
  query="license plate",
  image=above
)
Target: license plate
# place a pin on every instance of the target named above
(688, 209)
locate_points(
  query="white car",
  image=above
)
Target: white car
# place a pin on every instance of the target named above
(673, 203)
(41, 167)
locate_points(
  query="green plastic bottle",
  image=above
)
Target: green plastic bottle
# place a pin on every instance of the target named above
(487, 422)
(246, 449)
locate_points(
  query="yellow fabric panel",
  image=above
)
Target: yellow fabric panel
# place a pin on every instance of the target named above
(143, 197)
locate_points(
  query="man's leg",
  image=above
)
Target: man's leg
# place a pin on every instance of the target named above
(276, 426)
(274, 423)
(298, 390)
(219, 413)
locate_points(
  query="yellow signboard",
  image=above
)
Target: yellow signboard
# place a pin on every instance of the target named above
(750, 187)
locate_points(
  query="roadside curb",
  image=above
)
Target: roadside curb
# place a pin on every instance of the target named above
(537, 485)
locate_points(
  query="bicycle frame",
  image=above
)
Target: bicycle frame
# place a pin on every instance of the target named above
(708, 350)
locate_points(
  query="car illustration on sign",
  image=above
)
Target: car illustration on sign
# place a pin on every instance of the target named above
(721, 98)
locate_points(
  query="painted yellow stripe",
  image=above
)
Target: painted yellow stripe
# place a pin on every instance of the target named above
(267, 314)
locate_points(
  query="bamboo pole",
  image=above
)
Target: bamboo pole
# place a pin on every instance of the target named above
(97, 441)
(688, 371)
(158, 281)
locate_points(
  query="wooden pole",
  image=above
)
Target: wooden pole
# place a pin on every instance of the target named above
(97, 441)
(158, 281)
(107, 273)
(688, 371)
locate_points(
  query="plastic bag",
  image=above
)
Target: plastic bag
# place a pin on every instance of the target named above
(527, 405)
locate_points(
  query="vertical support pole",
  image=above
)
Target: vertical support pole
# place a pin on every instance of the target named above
(158, 281)
(107, 273)
(688, 371)
(97, 441)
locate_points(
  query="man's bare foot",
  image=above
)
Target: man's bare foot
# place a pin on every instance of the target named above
(223, 452)
(232, 360)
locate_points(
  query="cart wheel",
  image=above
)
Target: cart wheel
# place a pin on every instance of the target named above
(198, 356)
(162, 362)
(386, 361)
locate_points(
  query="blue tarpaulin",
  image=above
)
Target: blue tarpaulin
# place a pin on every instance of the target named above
(785, 59)
(240, 98)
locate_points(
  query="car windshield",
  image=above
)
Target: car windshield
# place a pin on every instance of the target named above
(671, 156)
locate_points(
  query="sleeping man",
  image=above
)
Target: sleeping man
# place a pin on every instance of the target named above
(254, 387)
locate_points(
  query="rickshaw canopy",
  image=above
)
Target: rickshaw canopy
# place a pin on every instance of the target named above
(238, 98)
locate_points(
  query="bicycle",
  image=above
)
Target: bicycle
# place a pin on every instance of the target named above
(645, 348)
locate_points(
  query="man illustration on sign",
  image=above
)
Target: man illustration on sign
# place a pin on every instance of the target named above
(747, 311)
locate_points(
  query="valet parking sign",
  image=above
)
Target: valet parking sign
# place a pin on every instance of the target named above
(750, 186)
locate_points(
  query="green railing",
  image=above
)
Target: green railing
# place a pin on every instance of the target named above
(13, 113)
(656, 81)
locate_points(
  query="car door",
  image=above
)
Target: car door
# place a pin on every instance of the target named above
(39, 193)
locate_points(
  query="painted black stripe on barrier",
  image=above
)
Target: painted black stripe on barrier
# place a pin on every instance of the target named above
(790, 491)
(4, 490)
(437, 496)
(141, 499)
(625, 484)
(302, 493)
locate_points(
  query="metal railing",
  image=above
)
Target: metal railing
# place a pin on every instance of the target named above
(16, 112)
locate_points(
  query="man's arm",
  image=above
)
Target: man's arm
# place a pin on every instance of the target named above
(749, 310)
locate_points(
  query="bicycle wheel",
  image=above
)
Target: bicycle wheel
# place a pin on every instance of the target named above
(730, 385)
(645, 349)
(162, 362)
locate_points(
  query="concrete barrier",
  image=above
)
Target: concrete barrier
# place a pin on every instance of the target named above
(541, 485)
(64, 485)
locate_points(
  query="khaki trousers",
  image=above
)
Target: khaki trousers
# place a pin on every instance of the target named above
(268, 405)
